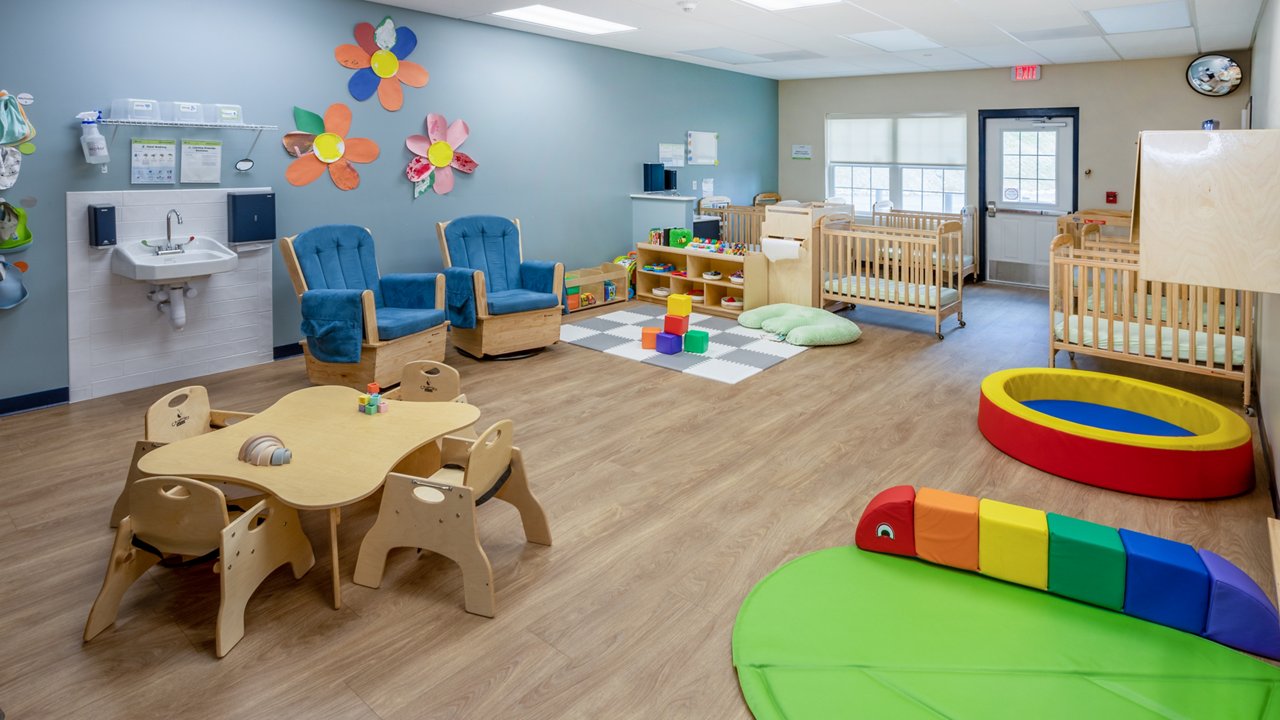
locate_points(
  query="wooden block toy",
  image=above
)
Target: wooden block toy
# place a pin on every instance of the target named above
(947, 528)
(888, 522)
(679, 304)
(669, 343)
(1086, 562)
(1240, 613)
(1013, 543)
(696, 341)
(1165, 582)
(676, 324)
(649, 338)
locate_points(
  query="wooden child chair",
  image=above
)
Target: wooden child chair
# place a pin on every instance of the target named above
(438, 513)
(188, 518)
(183, 413)
(430, 381)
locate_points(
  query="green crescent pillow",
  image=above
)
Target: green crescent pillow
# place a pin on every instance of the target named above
(801, 325)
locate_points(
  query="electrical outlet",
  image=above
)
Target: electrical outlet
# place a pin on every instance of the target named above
(693, 185)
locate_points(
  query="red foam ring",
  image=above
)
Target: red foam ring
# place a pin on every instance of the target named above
(1154, 472)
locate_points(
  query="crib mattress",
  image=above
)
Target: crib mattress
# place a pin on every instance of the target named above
(1142, 341)
(859, 286)
(966, 260)
(1117, 307)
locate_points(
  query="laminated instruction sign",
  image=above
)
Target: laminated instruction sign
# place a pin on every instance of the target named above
(202, 161)
(153, 161)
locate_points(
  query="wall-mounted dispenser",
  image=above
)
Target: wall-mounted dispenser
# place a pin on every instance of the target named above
(102, 225)
(654, 177)
(251, 217)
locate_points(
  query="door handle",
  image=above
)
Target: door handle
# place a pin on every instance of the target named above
(991, 208)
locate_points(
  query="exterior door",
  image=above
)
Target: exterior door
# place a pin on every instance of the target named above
(1030, 171)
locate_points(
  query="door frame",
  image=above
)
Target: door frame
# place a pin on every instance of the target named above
(983, 116)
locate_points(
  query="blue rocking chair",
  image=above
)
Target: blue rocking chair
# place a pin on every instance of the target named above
(359, 327)
(498, 302)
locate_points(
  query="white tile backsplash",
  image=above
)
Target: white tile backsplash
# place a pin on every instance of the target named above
(118, 340)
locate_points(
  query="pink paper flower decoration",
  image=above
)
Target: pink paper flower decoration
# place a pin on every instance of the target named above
(436, 155)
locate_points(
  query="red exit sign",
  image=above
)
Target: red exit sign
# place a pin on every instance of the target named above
(1026, 72)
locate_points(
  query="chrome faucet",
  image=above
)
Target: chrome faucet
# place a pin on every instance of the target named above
(168, 229)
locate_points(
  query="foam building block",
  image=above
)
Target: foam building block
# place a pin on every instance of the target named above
(1013, 543)
(1165, 582)
(1240, 614)
(669, 343)
(1086, 562)
(696, 341)
(947, 528)
(649, 338)
(676, 324)
(679, 304)
(890, 518)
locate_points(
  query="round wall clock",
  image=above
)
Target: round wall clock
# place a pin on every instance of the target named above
(1214, 75)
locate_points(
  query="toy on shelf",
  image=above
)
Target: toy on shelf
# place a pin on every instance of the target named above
(679, 273)
(587, 287)
(731, 302)
(712, 275)
(1143, 576)
(659, 268)
(719, 247)
(628, 261)
(1117, 433)
(736, 278)
(662, 292)
(586, 299)
(697, 295)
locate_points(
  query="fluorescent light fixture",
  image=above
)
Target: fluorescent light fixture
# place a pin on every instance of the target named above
(728, 56)
(1140, 18)
(788, 4)
(893, 40)
(563, 20)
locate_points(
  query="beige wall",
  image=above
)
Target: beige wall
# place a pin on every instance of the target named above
(1116, 100)
(1266, 114)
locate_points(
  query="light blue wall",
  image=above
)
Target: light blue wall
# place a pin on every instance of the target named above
(559, 130)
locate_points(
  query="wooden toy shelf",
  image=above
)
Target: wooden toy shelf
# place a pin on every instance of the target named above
(592, 280)
(695, 262)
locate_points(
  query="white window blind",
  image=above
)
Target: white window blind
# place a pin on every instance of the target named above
(901, 141)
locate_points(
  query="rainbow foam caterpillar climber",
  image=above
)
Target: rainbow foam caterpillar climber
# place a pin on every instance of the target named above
(1148, 577)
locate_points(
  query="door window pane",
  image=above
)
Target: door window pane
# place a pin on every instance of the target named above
(1048, 168)
(1030, 167)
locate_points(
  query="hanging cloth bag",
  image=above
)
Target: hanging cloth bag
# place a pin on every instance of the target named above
(15, 128)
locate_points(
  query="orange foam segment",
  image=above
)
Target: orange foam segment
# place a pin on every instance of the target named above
(947, 528)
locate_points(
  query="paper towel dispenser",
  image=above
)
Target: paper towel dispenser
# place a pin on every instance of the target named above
(251, 217)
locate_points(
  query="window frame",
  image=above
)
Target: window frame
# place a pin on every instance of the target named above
(896, 169)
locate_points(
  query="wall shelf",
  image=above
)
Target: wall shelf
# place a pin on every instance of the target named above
(115, 126)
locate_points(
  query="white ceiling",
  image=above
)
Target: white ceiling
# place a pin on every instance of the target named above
(971, 34)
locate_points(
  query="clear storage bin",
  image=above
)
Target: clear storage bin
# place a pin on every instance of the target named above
(223, 114)
(134, 109)
(180, 111)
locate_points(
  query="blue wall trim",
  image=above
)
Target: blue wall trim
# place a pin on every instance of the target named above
(281, 352)
(32, 401)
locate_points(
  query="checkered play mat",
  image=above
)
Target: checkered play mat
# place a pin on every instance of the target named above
(735, 353)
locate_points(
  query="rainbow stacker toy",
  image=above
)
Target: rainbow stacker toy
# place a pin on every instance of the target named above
(1140, 575)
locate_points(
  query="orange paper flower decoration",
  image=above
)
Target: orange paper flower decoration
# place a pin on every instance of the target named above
(323, 144)
(379, 63)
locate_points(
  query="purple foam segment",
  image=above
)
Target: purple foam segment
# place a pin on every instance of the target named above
(1240, 614)
(669, 343)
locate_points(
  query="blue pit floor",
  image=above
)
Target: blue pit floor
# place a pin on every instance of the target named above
(1107, 418)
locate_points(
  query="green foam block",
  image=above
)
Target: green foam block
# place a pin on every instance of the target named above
(1086, 561)
(696, 341)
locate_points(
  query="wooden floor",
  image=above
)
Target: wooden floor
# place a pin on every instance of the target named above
(669, 497)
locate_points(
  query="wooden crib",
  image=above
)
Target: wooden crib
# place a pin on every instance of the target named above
(916, 271)
(1099, 306)
(738, 223)
(914, 220)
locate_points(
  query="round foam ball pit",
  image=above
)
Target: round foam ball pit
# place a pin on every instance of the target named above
(1117, 433)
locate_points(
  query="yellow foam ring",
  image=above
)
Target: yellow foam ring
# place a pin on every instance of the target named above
(384, 63)
(328, 147)
(1215, 427)
(440, 153)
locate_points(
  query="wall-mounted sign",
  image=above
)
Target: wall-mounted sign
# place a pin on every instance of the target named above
(801, 152)
(1025, 72)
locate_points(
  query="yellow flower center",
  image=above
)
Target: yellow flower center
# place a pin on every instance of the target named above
(440, 153)
(384, 63)
(328, 147)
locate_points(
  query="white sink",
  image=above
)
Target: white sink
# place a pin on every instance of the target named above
(202, 256)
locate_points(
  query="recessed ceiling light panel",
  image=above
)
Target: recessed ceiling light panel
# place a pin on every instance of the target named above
(788, 4)
(728, 56)
(1140, 18)
(893, 40)
(563, 20)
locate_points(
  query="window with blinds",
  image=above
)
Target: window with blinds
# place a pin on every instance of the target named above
(916, 163)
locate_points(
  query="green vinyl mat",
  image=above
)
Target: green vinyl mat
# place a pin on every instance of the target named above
(843, 633)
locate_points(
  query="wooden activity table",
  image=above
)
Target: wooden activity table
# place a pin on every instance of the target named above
(340, 456)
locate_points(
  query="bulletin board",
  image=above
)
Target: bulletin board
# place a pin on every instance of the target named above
(703, 148)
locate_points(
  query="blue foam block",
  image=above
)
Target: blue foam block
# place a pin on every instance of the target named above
(669, 343)
(1165, 582)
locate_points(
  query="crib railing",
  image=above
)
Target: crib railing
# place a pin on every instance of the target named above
(739, 224)
(1099, 306)
(896, 268)
(916, 220)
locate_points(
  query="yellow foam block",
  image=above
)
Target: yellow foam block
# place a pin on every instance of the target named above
(1013, 543)
(678, 304)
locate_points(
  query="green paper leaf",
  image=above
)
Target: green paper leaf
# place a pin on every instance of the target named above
(307, 121)
(27, 148)
(385, 33)
(423, 185)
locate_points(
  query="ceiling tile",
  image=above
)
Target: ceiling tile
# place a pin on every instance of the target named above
(941, 59)
(1156, 43)
(1073, 51)
(1143, 18)
(894, 40)
(1225, 37)
(1004, 55)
